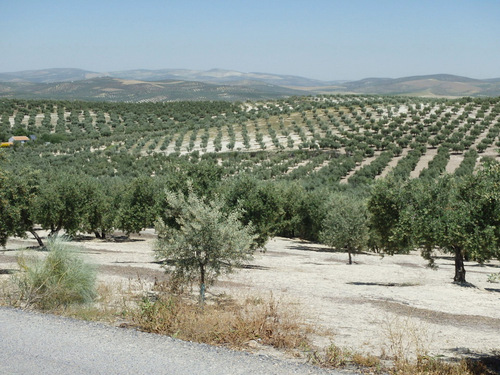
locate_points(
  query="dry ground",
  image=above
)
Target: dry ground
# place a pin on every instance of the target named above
(357, 306)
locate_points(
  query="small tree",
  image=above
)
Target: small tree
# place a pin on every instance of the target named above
(203, 242)
(345, 225)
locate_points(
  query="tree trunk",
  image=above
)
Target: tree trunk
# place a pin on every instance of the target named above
(97, 234)
(37, 238)
(202, 284)
(459, 266)
(54, 231)
(350, 256)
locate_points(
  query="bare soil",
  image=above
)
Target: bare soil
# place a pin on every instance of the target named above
(363, 306)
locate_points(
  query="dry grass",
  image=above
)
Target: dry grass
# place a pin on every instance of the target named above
(409, 341)
(334, 356)
(111, 305)
(430, 366)
(223, 321)
(407, 338)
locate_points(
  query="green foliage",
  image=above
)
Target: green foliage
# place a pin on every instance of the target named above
(100, 206)
(260, 203)
(17, 194)
(8, 211)
(346, 224)
(60, 203)
(60, 279)
(458, 216)
(138, 205)
(312, 212)
(205, 242)
(386, 205)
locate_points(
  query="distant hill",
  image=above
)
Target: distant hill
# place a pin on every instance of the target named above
(49, 75)
(121, 90)
(217, 76)
(430, 85)
(219, 84)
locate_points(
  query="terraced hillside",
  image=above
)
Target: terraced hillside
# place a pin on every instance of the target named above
(331, 138)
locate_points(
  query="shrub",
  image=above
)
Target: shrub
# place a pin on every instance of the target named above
(60, 279)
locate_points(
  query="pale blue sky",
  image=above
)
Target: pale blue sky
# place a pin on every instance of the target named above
(328, 40)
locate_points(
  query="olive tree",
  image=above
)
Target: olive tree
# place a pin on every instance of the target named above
(137, 205)
(8, 212)
(59, 203)
(261, 204)
(346, 224)
(17, 198)
(203, 241)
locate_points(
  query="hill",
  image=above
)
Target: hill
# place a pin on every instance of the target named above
(430, 85)
(121, 90)
(48, 75)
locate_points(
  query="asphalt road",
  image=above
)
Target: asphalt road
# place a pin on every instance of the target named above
(35, 343)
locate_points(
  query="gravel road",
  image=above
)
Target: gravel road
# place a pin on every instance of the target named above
(35, 343)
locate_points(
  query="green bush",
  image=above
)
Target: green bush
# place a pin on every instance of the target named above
(61, 278)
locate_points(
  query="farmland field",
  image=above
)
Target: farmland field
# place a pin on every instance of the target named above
(331, 138)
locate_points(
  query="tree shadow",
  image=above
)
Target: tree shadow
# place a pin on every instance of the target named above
(7, 271)
(465, 284)
(484, 265)
(494, 290)
(122, 239)
(381, 284)
(253, 267)
(313, 248)
(33, 248)
(489, 360)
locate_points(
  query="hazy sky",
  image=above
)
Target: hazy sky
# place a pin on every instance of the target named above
(328, 40)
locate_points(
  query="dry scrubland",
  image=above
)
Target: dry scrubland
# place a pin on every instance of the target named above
(393, 305)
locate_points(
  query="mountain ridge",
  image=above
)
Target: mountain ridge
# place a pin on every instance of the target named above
(231, 85)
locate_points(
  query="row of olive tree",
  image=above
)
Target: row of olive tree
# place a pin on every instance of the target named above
(78, 203)
(460, 215)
